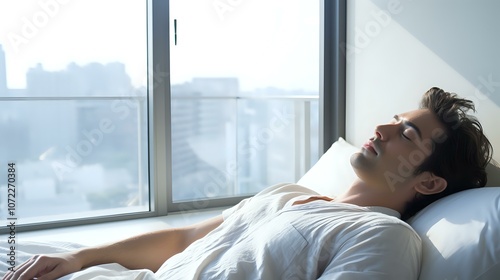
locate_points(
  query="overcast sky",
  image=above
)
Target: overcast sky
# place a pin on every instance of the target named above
(265, 43)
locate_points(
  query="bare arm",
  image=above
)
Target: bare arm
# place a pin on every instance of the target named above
(148, 251)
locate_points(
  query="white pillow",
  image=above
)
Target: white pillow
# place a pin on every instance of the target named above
(332, 174)
(461, 235)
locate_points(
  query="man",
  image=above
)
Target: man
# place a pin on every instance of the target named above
(290, 232)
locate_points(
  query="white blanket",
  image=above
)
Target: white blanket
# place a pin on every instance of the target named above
(109, 271)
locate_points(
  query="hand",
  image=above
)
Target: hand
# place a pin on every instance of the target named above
(45, 267)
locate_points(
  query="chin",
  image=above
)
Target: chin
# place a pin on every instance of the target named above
(354, 158)
(365, 168)
(359, 165)
(359, 161)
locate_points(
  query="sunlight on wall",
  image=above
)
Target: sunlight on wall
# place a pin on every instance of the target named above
(391, 62)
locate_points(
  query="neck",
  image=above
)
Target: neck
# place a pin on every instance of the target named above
(364, 195)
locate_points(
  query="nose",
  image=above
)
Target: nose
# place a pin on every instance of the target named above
(385, 131)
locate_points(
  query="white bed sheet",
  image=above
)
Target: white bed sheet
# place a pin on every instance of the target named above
(108, 271)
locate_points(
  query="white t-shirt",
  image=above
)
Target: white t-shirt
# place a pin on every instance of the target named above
(267, 237)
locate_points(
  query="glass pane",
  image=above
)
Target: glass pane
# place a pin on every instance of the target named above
(271, 141)
(259, 62)
(73, 108)
(203, 141)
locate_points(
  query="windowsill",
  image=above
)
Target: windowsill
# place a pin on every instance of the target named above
(91, 235)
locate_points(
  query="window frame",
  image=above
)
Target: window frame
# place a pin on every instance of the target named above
(333, 62)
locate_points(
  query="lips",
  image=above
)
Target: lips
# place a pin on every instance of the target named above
(370, 146)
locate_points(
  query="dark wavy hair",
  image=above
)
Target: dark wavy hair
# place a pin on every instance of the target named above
(462, 156)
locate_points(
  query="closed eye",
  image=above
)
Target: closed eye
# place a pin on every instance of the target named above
(408, 125)
(406, 137)
(406, 131)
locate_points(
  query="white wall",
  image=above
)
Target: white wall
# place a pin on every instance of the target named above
(397, 49)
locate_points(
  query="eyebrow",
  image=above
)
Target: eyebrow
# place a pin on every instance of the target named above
(410, 124)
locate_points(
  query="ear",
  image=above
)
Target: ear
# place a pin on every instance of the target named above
(430, 184)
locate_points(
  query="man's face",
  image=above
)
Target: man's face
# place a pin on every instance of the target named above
(389, 159)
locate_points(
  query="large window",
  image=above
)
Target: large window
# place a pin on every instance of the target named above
(73, 110)
(244, 95)
(114, 109)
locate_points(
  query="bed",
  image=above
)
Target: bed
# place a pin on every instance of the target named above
(460, 233)
(25, 249)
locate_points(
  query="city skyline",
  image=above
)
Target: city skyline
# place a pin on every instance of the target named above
(116, 72)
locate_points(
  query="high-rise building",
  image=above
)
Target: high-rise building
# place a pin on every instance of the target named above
(14, 130)
(201, 113)
(79, 119)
